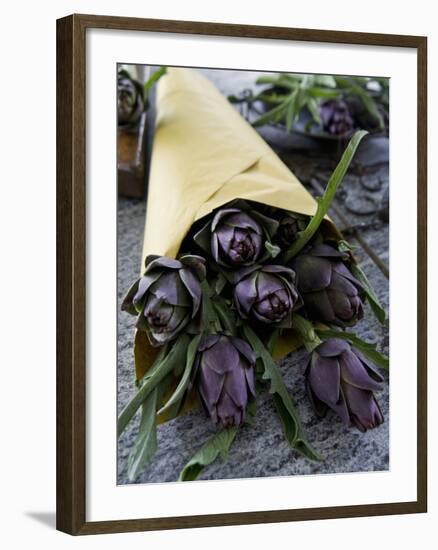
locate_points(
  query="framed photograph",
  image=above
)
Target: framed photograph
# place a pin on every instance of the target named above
(241, 274)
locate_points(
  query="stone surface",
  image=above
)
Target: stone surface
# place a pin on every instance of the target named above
(260, 450)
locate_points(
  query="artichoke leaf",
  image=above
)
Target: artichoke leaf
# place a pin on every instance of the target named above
(159, 370)
(185, 379)
(289, 417)
(145, 354)
(218, 445)
(274, 115)
(375, 305)
(145, 444)
(329, 194)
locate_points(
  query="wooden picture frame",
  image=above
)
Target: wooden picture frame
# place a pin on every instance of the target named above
(71, 273)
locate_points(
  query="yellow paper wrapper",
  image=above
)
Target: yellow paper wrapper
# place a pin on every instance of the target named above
(205, 155)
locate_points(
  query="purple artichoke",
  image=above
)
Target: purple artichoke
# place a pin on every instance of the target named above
(330, 292)
(168, 297)
(335, 117)
(130, 100)
(339, 377)
(267, 295)
(235, 237)
(224, 374)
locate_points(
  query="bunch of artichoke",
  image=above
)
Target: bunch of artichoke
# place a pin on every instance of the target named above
(216, 310)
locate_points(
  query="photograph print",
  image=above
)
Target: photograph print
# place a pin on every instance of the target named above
(253, 274)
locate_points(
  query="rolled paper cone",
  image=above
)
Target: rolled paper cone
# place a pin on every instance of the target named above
(204, 155)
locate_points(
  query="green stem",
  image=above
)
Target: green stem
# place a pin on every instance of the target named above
(224, 315)
(210, 316)
(185, 379)
(329, 194)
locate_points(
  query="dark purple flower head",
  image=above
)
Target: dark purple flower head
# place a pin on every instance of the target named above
(267, 295)
(168, 296)
(339, 377)
(236, 237)
(224, 374)
(330, 292)
(336, 117)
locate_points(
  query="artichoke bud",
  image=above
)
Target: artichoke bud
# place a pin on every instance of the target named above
(330, 292)
(167, 298)
(224, 376)
(341, 378)
(235, 237)
(267, 295)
